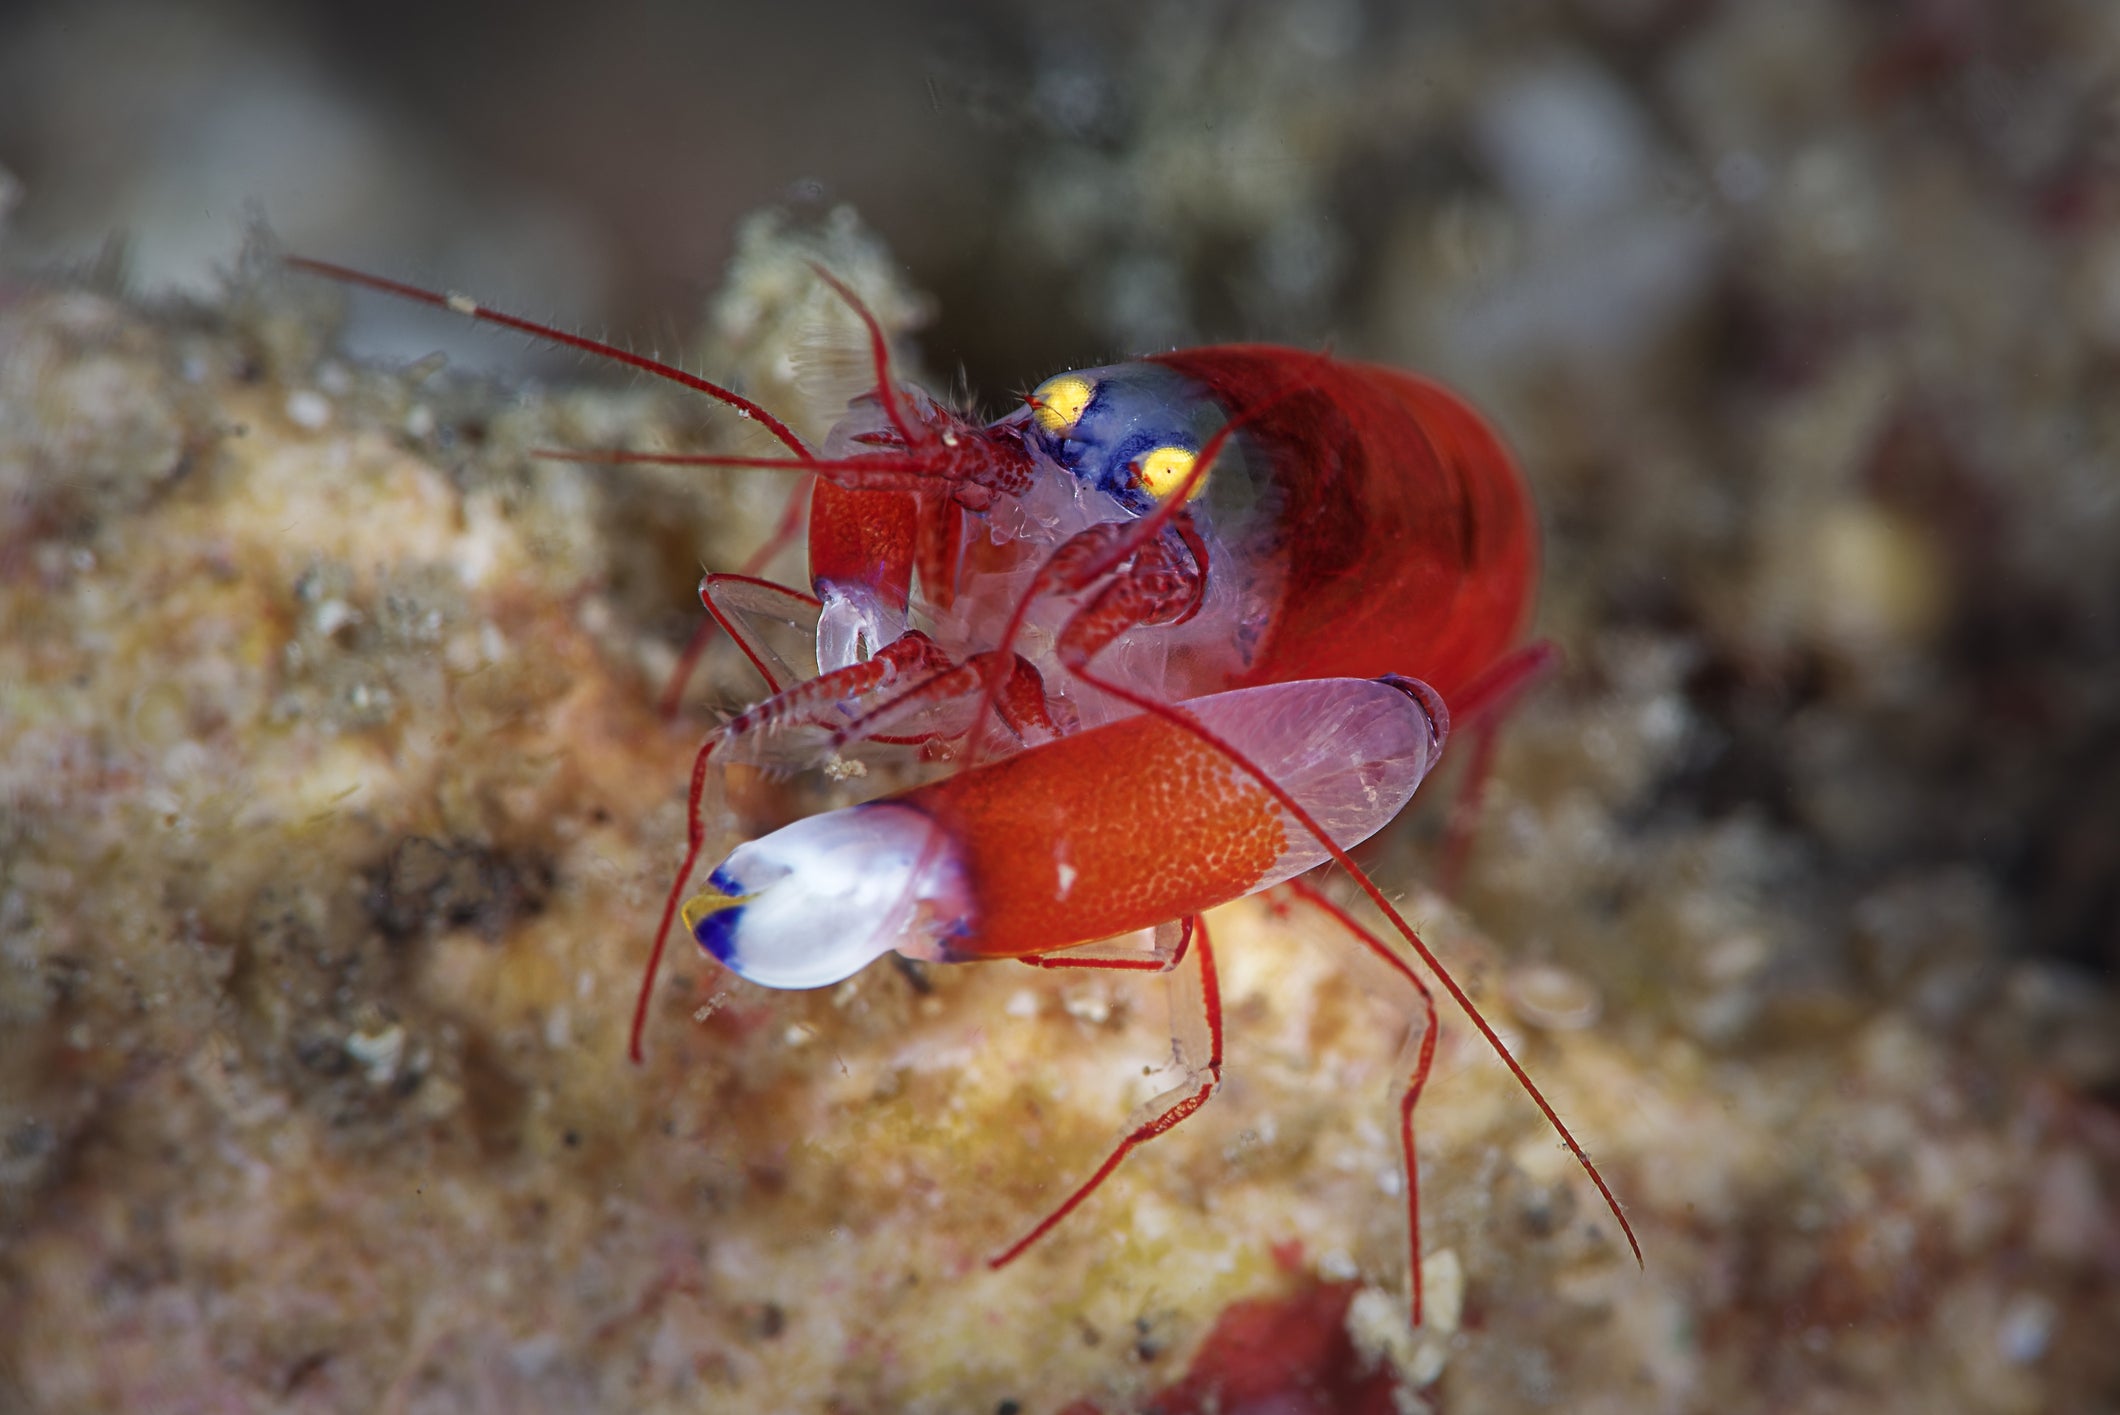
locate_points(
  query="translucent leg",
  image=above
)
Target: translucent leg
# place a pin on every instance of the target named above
(1196, 1037)
(749, 609)
(1481, 709)
(784, 533)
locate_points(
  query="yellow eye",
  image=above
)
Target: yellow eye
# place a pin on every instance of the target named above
(1059, 401)
(1164, 470)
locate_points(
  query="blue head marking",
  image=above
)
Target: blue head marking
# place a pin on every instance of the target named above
(1135, 409)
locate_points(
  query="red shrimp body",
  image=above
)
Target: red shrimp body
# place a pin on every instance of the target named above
(1355, 521)
(1404, 534)
(1343, 522)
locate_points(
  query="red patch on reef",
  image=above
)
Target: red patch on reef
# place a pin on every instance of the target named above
(1289, 1355)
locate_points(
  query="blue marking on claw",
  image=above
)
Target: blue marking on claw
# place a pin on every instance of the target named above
(716, 932)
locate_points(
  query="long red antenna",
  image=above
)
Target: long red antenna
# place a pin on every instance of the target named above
(464, 305)
(881, 471)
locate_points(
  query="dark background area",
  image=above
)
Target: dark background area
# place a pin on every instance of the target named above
(1167, 173)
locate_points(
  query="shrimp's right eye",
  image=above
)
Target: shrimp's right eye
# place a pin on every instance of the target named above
(1060, 402)
(1166, 469)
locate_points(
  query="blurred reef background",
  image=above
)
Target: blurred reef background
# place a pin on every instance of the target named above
(335, 808)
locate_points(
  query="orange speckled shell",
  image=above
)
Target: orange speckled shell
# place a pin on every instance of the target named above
(1190, 832)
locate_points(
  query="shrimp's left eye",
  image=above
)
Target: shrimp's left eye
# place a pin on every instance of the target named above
(1164, 470)
(1059, 402)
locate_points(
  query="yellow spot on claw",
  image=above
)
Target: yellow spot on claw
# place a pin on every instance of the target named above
(701, 906)
(1060, 401)
(1164, 470)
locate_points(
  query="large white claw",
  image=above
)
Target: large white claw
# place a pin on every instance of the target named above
(819, 900)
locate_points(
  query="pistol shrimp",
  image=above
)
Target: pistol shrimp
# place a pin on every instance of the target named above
(1172, 604)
